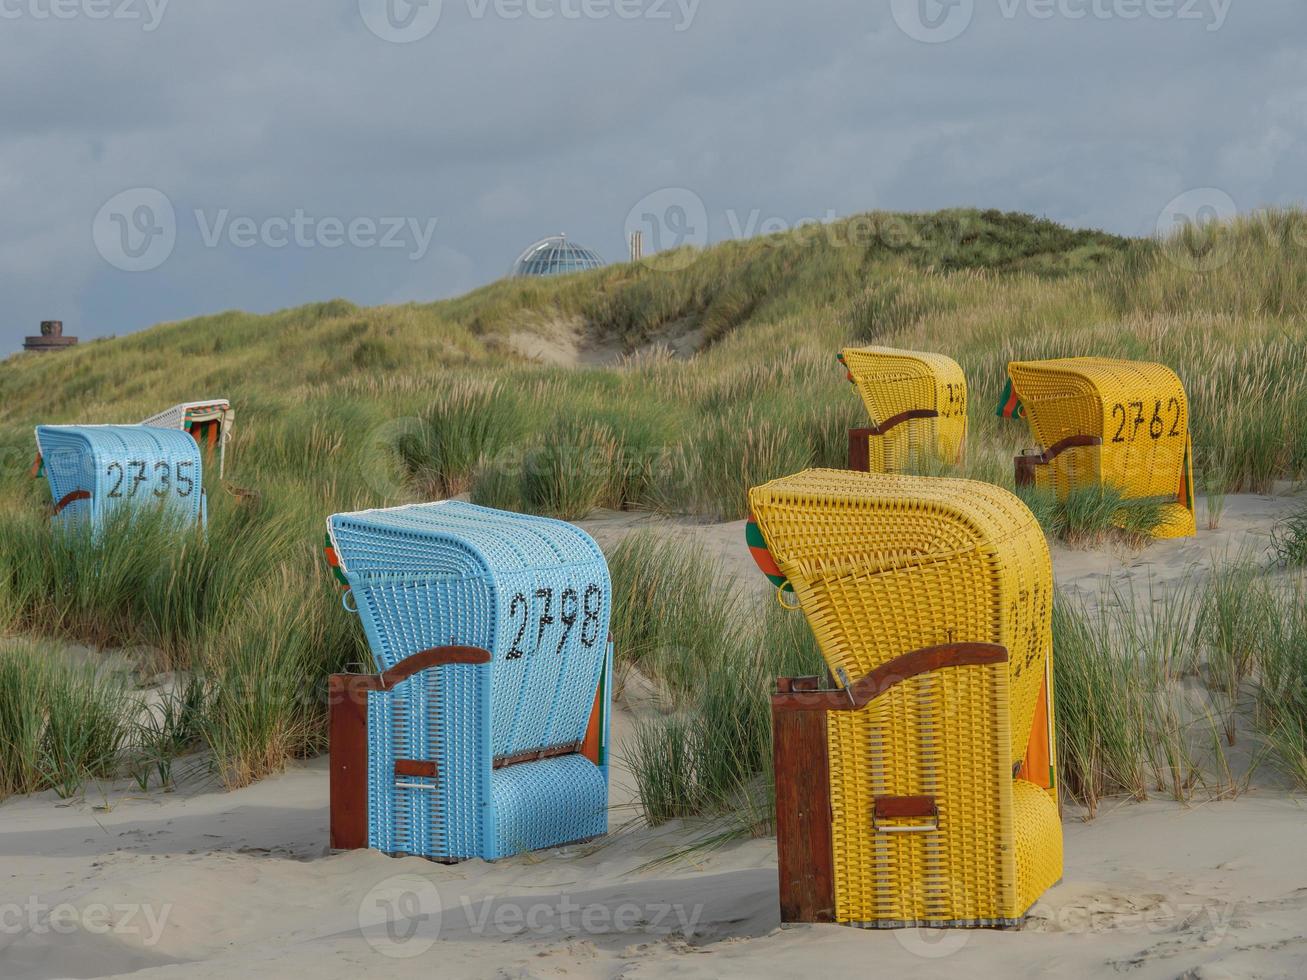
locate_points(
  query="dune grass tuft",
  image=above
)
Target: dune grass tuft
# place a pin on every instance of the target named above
(61, 724)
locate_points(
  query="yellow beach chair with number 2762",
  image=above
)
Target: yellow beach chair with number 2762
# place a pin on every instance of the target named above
(898, 799)
(1101, 421)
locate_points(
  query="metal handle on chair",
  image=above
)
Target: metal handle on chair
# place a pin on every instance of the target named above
(915, 829)
(904, 808)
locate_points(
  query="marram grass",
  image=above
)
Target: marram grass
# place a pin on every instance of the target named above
(343, 408)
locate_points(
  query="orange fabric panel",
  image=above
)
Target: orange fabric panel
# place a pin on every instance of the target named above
(1037, 767)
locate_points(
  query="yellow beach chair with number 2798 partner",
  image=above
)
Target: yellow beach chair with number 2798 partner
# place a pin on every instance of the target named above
(917, 402)
(898, 796)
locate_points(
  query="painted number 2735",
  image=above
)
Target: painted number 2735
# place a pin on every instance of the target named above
(137, 477)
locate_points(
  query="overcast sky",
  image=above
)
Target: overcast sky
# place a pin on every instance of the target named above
(160, 160)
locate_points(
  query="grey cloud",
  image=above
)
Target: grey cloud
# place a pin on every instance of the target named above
(510, 130)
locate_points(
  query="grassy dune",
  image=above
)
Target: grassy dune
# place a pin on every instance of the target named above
(341, 408)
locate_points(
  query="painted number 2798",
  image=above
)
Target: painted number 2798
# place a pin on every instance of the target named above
(566, 612)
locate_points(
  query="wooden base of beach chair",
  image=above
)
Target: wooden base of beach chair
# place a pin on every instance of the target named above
(810, 797)
(1027, 465)
(864, 456)
(348, 728)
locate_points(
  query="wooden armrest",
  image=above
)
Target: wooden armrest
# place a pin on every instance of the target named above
(1070, 442)
(71, 499)
(890, 675)
(352, 684)
(893, 423)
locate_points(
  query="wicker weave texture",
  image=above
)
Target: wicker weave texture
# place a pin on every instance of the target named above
(884, 565)
(892, 382)
(999, 843)
(94, 470)
(536, 594)
(209, 410)
(1138, 410)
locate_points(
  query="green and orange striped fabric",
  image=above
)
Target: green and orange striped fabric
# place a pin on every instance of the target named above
(1010, 407)
(334, 561)
(758, 548)
(849, 374)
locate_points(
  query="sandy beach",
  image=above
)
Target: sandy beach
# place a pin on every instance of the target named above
(204, 883)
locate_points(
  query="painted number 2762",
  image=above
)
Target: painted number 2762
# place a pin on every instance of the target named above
(1132, 418)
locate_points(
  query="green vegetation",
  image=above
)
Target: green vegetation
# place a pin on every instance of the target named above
(714, 657)
(60, 724)
(343, 408)
(1289, 540)
(1154, 692)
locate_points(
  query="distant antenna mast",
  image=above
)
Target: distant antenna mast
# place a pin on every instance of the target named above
(637, 246)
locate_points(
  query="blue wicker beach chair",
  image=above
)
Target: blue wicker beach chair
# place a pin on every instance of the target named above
(487, 759)
(94, 470)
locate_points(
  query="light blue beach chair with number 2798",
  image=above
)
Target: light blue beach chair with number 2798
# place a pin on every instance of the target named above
(480, 760)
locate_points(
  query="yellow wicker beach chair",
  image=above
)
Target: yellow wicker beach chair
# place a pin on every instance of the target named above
(917, 403)
(1101, 421)
(897, 800)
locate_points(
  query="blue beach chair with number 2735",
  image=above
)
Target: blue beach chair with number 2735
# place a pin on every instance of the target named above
(480, 760)
(94, 470)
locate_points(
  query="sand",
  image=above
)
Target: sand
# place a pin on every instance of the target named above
(202, 883)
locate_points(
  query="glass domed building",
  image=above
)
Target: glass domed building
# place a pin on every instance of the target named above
(555, 256)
